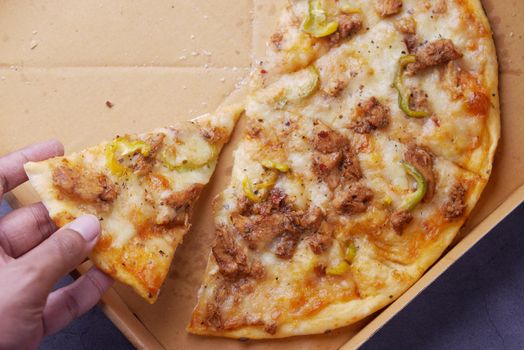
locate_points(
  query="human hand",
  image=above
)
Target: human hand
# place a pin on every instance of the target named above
(33, 257)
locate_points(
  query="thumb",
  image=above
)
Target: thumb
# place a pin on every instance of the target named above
(61, 252)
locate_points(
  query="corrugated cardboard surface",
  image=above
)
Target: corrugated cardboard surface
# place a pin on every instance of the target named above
(156, 62)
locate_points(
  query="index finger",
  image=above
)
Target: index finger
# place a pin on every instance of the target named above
(12, 171)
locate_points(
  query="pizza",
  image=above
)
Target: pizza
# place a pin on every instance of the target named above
(142, 187)
(371, 131)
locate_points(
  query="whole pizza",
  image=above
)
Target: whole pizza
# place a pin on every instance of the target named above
(371, 128)
(371, 132)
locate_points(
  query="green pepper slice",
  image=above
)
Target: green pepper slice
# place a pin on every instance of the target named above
(316, 22)
(404, 94)
(422, 187)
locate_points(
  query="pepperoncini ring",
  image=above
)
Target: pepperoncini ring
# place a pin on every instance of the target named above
(303, 87)
(349, 10)
(257, 193)
(120, 147)
(248, 191)
(310, 85)
(168, 158)
(422, 187)
(404, 94)
(269, 164)
(339, 269)
(351, 252)
(316, 22)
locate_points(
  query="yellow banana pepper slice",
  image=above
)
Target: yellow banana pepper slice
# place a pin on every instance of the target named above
(121, 147)
(339, 269)
(351, 252)
(269, 164)
(316, 23)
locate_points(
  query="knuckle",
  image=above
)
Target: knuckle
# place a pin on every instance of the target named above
(71, 304)
(41, 220)
(5, 242)
(96, 285)
(3, 183)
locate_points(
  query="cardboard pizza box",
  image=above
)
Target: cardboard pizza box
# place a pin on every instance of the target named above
(84, 71)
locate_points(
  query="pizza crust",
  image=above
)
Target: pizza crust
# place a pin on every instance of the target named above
(491, 80)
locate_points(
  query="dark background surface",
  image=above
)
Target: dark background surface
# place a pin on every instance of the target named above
(477, 304)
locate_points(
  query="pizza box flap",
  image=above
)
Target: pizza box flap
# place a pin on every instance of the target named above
(84, 71)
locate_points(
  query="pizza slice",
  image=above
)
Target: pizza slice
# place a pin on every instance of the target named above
(142, 188)
(319, 228)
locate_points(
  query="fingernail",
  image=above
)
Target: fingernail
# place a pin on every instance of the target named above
(87, 226)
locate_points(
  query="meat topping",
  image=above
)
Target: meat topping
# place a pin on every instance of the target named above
(422, 160)
(319, 242)
(348, 24)
(455, 206)
(440, 7)
(432, 54)
(83, 184)
(274, 222)
(275, 203)
(353, 199)
(386, 8)
(285, 244)
(350, 167)
(400, 219)
(334, 160)
(231, 259)
(324, 163)
(411, 42)
(259, 230)
(371, 115)
(406, 25)
(311, 220)
(327, 140)
(143, 165)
